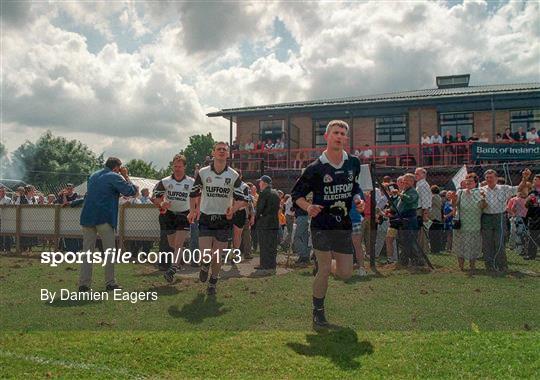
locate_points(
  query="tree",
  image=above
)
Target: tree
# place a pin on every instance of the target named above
(3, 160)
(51, 162)
(200, 146)
(140, 168)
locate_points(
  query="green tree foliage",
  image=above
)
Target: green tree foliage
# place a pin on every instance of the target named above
(141, 168)
(51, 162)
(3, 160)
(200, 146)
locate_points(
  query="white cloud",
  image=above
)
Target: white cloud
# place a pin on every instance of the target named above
(146, 103)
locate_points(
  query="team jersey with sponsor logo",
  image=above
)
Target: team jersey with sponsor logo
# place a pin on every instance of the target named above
(176, 192)
(332, 187)
(244, 189)
(217, 190)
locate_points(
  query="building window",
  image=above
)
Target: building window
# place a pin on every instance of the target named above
(525, 119)
(391, 130)
(271, 130)
(457, 122)
(319, 128)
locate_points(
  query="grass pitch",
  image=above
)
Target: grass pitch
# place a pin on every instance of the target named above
(401, 324)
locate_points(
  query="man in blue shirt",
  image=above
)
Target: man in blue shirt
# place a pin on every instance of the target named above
(100, 216)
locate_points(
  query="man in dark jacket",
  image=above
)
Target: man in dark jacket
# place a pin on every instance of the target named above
(267, 223)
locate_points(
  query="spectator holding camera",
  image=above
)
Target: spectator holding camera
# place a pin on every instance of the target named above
(100, 216)
(67, 195)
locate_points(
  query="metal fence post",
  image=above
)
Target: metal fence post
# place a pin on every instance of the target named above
(18, 229)
(373, 224)
(57, 226)
(121, 226)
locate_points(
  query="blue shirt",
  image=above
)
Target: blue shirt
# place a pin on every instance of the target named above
(447, 209)
(102, 193)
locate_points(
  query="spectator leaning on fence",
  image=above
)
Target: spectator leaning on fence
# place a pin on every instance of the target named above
(532, 136)
(67, 195)
(99, 216)
(494, 221)
(533, 219)
(145, 197)
(468, 204)
(4, 199)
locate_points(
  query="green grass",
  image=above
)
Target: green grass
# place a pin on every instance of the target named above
(405, 324)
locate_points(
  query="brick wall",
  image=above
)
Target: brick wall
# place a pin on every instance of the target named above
(363, 131)
(482, 122)
(422, 120)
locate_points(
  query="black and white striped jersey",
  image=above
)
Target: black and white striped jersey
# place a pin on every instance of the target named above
(176, 192)
(244, 188)
(217, 190)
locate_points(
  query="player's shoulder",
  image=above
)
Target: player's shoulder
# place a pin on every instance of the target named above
(189, 179)
(205, 170)
(353, 160)
(314, 165)
(166, 179)
(233, 171)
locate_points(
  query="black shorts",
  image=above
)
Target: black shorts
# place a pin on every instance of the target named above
(172, 222)
(339, 241)
(216, 226)
(239, 218)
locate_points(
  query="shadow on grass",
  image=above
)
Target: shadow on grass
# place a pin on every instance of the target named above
(71, 303)
(150, 274)
(340, 345)
(164, 290)
(199, 309)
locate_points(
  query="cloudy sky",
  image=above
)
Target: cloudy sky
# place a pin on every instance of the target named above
(136, 78)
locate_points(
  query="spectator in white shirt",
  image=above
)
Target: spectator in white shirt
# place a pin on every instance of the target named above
(493, 222)
(145, 197)
(483, 137)
(424, 206)
(367, 153)
(4, 199)
(435, 140)
(532, 136)
(51, 199)
(427, 151)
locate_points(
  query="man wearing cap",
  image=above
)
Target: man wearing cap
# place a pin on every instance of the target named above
(267, 223)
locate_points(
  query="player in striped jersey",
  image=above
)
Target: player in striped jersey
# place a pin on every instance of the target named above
(215, 197)
(171, 195)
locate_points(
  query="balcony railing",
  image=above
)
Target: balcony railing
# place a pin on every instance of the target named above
(387, 155)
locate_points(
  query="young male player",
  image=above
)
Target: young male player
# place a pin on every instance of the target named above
(171, 195)
(215, 197)
(333, 179)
